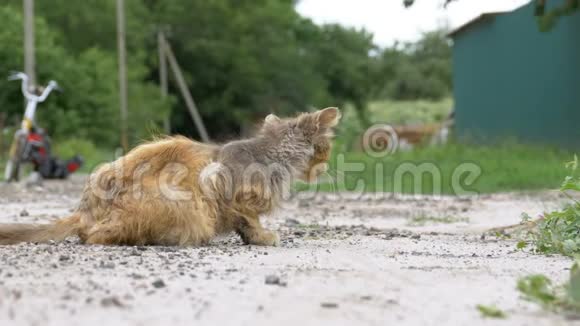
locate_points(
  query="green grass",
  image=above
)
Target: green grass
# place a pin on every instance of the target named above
(392, 113)
(409, 112)
(507, 167)
(504, 167)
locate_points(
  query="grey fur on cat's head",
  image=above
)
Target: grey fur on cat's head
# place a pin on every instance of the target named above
(294, 143)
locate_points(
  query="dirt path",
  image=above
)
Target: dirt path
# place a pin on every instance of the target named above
(344, 260)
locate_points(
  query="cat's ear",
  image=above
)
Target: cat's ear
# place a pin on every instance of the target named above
(272, 118)
(328, 118)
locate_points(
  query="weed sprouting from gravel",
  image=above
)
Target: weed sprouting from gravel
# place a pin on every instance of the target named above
(559, 231)
(541, 290)
(491, 312)
(423, 220)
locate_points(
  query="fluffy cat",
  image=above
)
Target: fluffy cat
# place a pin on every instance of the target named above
(176, 191)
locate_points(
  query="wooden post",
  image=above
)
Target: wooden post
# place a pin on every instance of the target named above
(2, 120)
(29, 60)
(163, 78)
(122, 73)
(190, 103)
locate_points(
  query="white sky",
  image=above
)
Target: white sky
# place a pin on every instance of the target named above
(389, 21)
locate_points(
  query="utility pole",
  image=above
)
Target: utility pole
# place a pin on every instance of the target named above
(190, 103)
(29, 62)
(163, 80)
(122, 72)
(2, 120)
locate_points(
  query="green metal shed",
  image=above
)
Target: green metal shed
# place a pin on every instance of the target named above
(512, 80)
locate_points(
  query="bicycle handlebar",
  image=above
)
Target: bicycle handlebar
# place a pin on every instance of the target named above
(51, 85)
(25, 87)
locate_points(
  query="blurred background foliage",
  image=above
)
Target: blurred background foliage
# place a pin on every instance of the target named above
(241, 58)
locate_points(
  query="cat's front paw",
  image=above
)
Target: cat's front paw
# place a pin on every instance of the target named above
(268, 238)
(275, 239)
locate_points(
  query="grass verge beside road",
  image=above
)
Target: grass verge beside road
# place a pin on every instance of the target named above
(450, 169)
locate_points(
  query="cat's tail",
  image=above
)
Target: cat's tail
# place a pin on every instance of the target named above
(39, 233)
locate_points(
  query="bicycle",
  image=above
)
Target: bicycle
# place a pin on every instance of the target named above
(30, 143)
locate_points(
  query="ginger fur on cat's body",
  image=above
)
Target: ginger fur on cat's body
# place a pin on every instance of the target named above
(175, 191)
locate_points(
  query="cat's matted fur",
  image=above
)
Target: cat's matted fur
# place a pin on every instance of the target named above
(175, 191)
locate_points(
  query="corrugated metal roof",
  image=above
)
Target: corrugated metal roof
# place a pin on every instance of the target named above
(476, 20)
(483, 17)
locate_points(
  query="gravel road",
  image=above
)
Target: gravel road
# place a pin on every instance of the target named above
(344, 260)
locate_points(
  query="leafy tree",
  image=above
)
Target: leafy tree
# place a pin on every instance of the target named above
(86, 24)
(241, 58)
(419, 70)
(343, 57)
(247, 58)
(88, 108)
